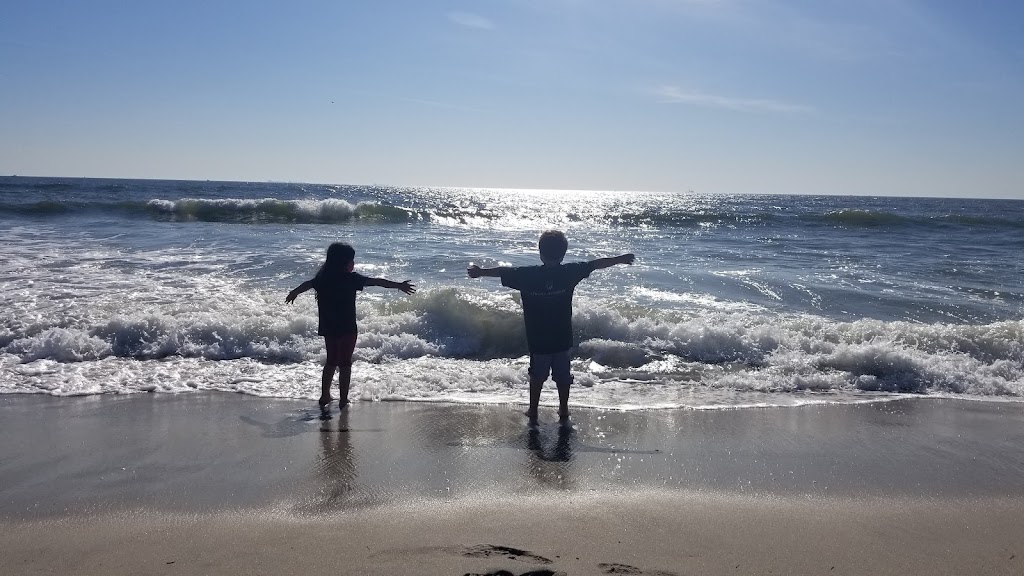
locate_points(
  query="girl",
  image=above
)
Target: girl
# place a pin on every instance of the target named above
(336, 286)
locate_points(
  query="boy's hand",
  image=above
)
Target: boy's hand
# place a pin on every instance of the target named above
(290, 297)
(473, 271)
(407, 287)
(627, 258)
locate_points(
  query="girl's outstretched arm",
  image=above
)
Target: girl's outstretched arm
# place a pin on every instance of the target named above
(299, 290)
(384, 283)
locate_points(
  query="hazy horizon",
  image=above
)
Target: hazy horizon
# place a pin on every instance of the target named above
(499, 188)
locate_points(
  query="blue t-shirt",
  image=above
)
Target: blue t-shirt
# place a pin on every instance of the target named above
(547, 302)
(336, 302)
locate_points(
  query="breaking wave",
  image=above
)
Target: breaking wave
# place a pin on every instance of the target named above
(272, 210)
(447, 342)
(873, 218)
(241, 211)
(335, 211)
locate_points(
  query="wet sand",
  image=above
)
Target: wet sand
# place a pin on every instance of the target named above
(225, 483)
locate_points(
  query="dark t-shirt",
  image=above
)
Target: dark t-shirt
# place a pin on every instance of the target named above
(336, 302)
(547, 302)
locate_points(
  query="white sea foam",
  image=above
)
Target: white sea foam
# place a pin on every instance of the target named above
(469, 345)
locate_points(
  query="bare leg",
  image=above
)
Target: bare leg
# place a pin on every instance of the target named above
(344, 379)
(325, 384)
(563, 401)
(535, 386)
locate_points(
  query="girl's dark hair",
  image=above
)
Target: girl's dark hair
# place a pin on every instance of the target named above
(339, 255)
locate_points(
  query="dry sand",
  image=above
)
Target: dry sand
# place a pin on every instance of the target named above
(229, 484)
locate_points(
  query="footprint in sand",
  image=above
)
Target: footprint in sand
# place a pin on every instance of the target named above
(492, 551)
(530, 573)
(631, 570)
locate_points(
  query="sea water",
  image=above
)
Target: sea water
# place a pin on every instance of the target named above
(126, 286)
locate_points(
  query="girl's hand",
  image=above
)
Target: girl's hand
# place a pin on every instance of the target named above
(407, 287)
(291, 297)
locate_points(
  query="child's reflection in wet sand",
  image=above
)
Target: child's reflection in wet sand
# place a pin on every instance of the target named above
(551, 464)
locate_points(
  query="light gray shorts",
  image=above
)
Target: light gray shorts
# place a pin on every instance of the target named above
(557, 365)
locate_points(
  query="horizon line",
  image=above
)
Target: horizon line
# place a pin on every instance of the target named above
(511, 189)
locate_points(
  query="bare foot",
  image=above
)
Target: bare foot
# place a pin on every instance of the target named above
(531, 415)
(324, 401)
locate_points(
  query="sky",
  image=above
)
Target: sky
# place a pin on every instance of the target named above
(871, 97)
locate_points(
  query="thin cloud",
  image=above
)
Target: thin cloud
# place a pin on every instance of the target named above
(471, 20)
(676, 95)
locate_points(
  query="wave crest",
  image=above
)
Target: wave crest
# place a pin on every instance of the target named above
(877, 218)
(271, 210)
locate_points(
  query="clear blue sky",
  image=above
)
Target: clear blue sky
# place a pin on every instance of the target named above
(900, 97)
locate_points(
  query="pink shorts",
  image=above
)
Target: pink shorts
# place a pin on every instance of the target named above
(340, 349)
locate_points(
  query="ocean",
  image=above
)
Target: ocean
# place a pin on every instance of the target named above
(130, 286)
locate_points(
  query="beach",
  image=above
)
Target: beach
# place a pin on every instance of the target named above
(209, 483)
(763, 255)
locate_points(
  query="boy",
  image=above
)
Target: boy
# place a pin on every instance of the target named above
(547, 309)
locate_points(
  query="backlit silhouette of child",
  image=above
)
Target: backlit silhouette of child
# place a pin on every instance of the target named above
(547, 309)
(336, 286)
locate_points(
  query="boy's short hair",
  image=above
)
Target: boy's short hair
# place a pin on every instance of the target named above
(553, 245)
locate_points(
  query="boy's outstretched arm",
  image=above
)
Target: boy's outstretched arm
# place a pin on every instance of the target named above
(475, 271)
(607, 262)
(384, 283)
(298, 290)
